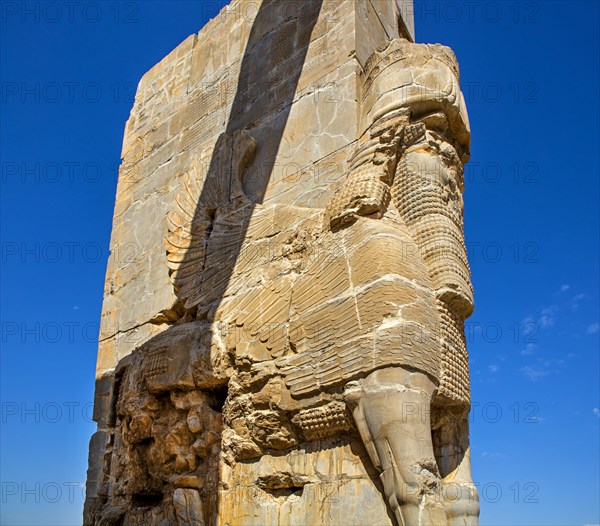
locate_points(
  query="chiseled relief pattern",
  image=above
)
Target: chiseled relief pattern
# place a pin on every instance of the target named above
(316, 354)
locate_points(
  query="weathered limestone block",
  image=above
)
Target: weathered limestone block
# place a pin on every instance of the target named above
(282, 333)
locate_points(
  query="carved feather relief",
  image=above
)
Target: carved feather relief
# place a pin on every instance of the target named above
(208, 221)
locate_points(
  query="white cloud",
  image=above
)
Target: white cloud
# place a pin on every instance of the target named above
(596, 411)
(548, 316)
(565, 288)
(493, 368)
(577, 299)
(554, 361)
(534, 374)
(593, 328)
(529, 349)
(492, 454)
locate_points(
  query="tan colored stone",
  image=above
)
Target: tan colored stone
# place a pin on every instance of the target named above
(282, 336)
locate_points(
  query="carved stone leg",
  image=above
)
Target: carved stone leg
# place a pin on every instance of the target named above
(391, 409)
(462, 510)
(188, 507)
(451, 446)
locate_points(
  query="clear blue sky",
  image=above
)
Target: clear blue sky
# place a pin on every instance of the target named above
(530, 75)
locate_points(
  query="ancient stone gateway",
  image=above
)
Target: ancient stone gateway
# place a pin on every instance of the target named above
(282, 331)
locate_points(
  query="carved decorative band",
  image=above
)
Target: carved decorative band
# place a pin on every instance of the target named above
(324, 421)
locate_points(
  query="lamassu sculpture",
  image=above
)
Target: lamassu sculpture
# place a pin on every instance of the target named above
(311, 365)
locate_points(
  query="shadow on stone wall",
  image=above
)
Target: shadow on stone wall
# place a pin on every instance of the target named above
(155, 456)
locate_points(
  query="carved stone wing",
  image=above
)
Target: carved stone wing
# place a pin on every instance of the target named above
(208, 220)
(356, 309)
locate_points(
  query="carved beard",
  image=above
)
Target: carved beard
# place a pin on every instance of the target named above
(427, 191)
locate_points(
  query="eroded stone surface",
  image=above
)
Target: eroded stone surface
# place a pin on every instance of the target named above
(283, 327)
